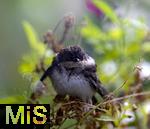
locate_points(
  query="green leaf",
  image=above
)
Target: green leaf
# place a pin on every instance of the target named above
(107, 10)
(33, 38)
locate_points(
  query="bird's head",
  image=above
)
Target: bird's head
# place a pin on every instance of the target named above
(71, 54)
(70, 57)
(74, 56)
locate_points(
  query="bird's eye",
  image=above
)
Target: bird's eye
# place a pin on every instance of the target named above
(78, 59)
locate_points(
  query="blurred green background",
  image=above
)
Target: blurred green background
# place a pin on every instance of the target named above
(43, 15)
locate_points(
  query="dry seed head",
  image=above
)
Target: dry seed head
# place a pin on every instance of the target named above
(48, 37)
(39, 88)
(69, 20)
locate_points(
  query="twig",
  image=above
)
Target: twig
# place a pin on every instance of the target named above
(68, 23)
(120, 86)
(113, 100)
(63, 38)
(126, 97)
(59, 22)
(90, 105)
(134, 69)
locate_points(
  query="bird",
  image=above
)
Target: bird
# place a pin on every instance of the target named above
(73, 72)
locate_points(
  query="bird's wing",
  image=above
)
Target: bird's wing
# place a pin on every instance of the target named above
(90, 75)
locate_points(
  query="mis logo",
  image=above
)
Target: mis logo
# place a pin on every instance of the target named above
(27, 114)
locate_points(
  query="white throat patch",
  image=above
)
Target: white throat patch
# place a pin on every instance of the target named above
(89, 61)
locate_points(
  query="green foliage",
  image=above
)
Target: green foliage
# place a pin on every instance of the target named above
(12, 100)
(121, 44)
(146, 47)
(118, 49)
(38, 51)
(33, 40)
(38, 58)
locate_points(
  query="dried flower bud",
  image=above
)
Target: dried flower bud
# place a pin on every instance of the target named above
(39, 89)
(48, 37)
(69, 20)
